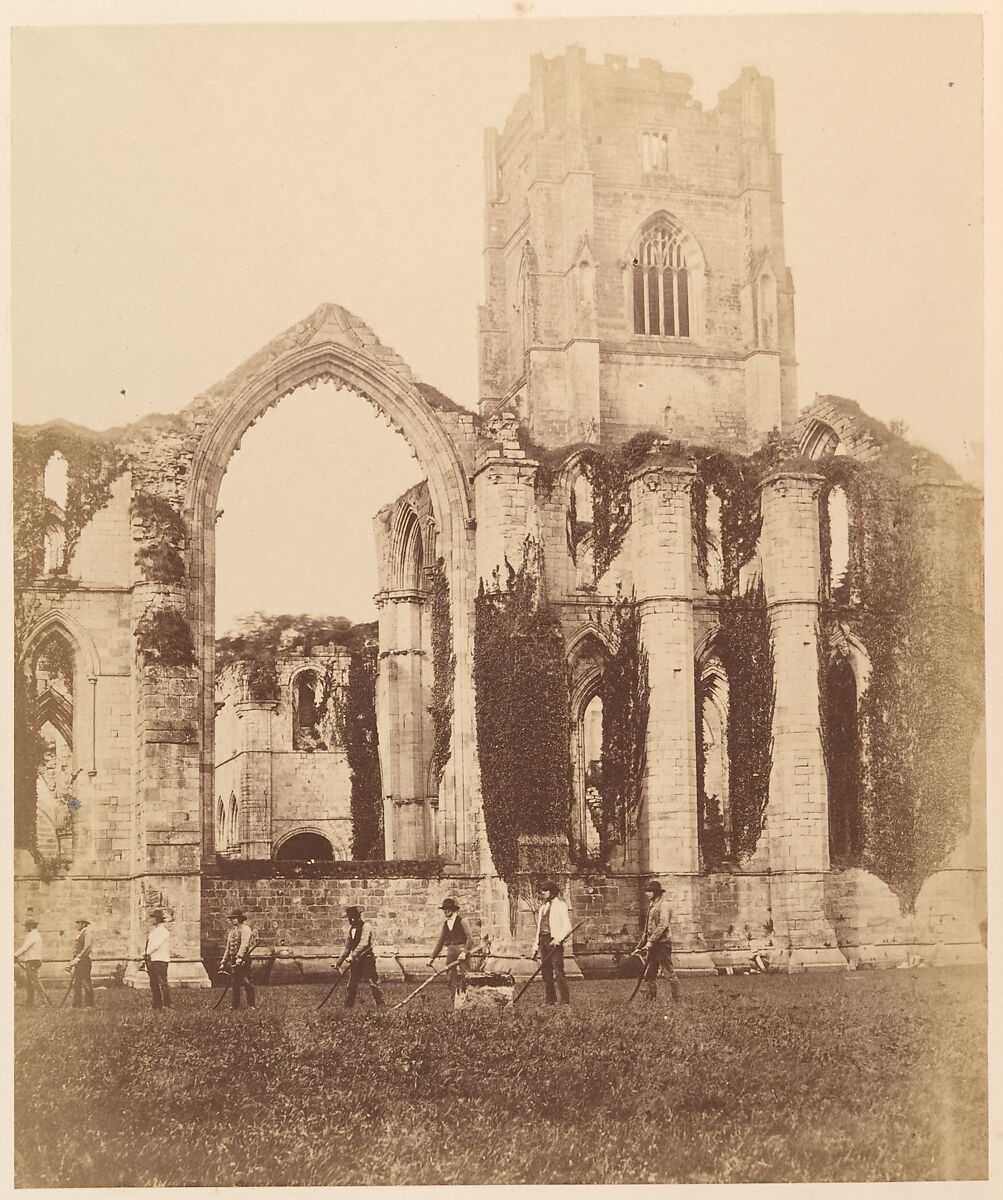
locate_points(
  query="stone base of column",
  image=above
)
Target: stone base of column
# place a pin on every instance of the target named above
(183, 973)
(915, 954)
(804, 933)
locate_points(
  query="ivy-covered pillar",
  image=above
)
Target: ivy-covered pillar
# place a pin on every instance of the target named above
(797, 819)
(661, 523)
(402, 715)
(254, 820)
(166, 814)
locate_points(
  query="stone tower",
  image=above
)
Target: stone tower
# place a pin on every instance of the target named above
(634, 251)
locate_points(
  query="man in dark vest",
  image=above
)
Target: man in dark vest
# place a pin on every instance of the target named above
(240, 942)
(361, 957)
(455, 939)
(80, 967)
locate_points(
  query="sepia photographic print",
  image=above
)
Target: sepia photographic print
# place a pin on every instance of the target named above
(498, 609)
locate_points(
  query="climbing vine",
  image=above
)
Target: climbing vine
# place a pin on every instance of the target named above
(159, 557)
(93, 464)
(913, 600)
(523, 725)
(164, 638)
(359, 735)
(615, 802)
(443, 674)
(746, 652)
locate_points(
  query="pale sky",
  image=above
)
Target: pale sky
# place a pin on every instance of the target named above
(182, 195)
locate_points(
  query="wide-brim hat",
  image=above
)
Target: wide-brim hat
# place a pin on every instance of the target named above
(353, 910)
(449, 905)
(654, 887)
(82, 921)
(157, 914)
(235, 915)
(550, 886)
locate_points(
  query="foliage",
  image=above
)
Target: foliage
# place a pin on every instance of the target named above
(93, 465)
(768, 1080)
(443, 675)
(712, 836)
(259, 639)
(360, 738)
(914, 602)
(746, 651)
(523, 728)
(159, 558)
(29, 753)
(626, 705)
(164, 638)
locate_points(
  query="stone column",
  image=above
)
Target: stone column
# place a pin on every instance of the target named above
(401, 714)
(255, 818)
(166, 815)
(797, 819)
(663, 569)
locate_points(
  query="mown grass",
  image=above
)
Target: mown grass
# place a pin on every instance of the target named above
(860, 1076)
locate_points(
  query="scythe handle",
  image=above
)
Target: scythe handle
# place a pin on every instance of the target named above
(546, 958)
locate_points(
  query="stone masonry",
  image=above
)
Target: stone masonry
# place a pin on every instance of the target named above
(636, 281)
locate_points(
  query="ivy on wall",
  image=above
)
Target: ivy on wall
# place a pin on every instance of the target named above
(443, 675)
(361, 741)
(523, 704)
(746, 650)
(615, 802)
(159, 557)
(164, 638)
(93, 464)
(913, 600)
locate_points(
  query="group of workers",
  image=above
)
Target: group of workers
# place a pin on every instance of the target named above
(553, 929)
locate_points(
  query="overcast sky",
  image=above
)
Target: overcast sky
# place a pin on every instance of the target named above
(182, 195)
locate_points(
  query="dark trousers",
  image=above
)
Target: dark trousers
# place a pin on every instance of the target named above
(660, 955)
(553, 971)
(457, 977)
(242, 979)
(160, 992)
(363, 970)
(83, 992)
(33, 983)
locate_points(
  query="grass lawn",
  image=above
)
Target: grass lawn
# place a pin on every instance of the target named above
(877, 1075)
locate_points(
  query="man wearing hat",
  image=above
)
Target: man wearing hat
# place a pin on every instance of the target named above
(29, 955)
(240, 942)
(80, 966)
(656, 943)
(157, 957)
(553, 924)
(361, 957)
(455, 938)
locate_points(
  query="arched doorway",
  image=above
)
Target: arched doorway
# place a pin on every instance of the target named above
(334, 346)
(305, 847)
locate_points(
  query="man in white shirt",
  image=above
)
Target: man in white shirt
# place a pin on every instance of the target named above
(80, 966)
(29, 955)
(157, 957)
(361, 957)
(553, 924)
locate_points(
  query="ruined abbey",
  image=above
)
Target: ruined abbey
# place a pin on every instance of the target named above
(646, 616)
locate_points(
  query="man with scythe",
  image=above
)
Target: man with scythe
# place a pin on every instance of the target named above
(655, 946)
(553, 925)
(361, 958)
(454, 937)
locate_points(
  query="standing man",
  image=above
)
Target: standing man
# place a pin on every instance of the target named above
(553, 924)
(29, 955)
(80, 966)
(656, 942)
(240, 941)
(455, 937)
(361, 958)
(157, 957)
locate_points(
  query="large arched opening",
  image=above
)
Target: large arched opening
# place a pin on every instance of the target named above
(332, 347)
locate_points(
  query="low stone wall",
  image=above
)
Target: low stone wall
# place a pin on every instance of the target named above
(302, 909)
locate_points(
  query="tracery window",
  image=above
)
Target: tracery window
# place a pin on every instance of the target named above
(661, 284)
(654, 151)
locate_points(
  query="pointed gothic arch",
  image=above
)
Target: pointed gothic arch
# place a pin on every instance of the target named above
(664, 279)
(331, 345)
